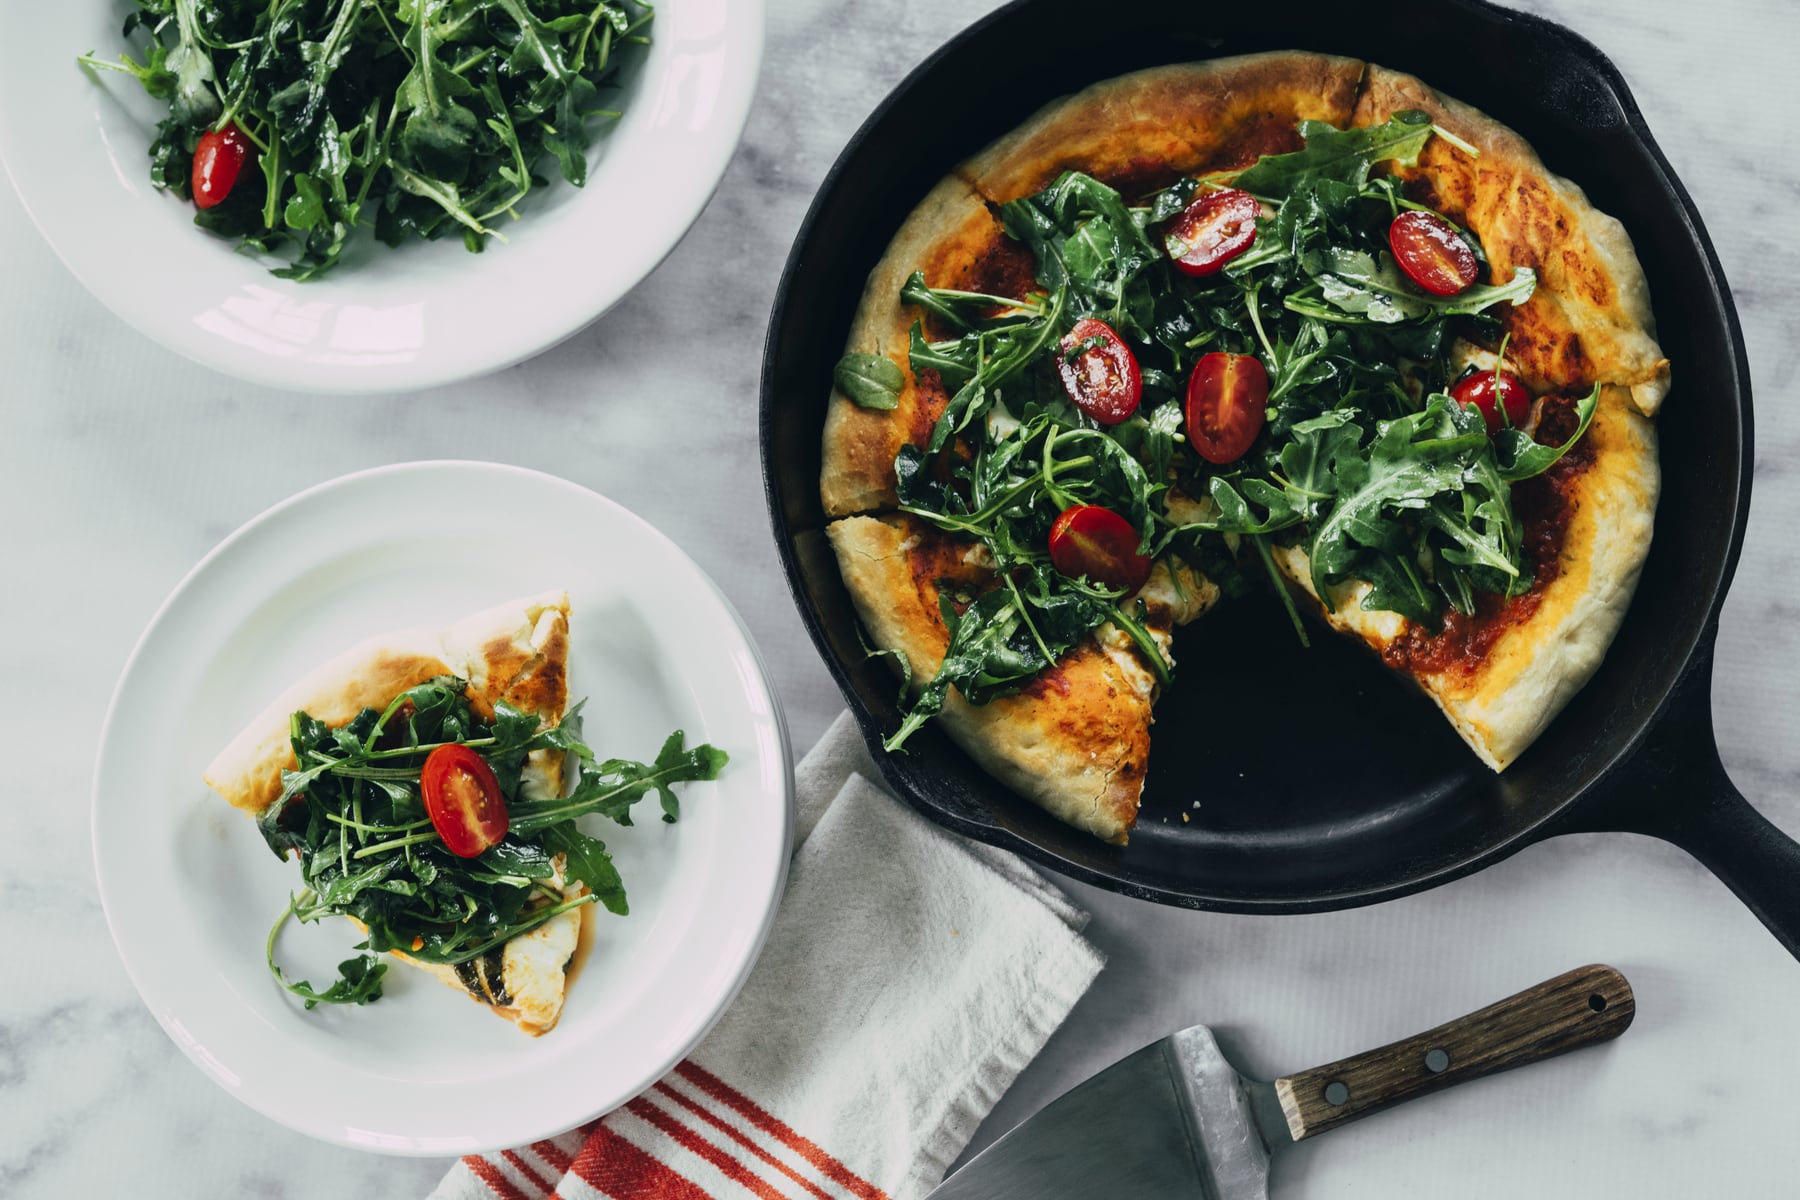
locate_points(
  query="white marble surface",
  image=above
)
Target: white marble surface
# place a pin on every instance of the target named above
(121, 464)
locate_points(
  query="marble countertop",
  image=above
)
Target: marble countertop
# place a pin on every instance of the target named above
(121, 464)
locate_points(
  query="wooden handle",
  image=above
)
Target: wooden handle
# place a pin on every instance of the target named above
(1587, 1005)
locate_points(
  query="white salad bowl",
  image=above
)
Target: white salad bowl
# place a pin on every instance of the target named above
(190, 889)
(74, 142)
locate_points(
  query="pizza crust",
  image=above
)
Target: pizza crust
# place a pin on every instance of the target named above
(946, 238)
(1589, 320)
(517, 652)
(1535, 666)
(1185, 119)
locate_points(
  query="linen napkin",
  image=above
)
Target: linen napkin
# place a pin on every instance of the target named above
(909, 976)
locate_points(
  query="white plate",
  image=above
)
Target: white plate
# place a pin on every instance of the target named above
(74, 143)
(190, 890)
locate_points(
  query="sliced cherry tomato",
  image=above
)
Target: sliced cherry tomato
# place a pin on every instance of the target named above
(1432, 253)
(1482, 391)
(1213, 230)
(1227, 403)
(1097, 542)
(218, 160)
(1100, 372)
(463, 799)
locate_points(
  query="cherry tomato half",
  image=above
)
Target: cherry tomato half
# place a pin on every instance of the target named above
(218, 160)
(1432, 253)
(1227, 403)
(1099, 372)
(1213, 230)
(463, 799)
(1482, 390)
(1097, 542)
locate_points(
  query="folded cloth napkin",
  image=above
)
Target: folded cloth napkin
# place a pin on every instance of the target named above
(909, 977)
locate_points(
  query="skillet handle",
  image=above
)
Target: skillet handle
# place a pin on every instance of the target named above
(1677, 789)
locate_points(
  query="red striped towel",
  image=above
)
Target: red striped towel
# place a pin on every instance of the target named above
(908, 979)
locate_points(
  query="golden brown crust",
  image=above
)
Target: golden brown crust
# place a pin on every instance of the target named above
(516, 651)
(1075, 742)
(1143, 129)
(1589, 320)
(947, 237)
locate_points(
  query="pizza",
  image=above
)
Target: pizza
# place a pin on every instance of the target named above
(419, 779)
(1288, 327)
(514, 654)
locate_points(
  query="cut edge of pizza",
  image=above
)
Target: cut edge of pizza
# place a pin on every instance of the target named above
(516, 652)
(1500, 683)
(1076, 740)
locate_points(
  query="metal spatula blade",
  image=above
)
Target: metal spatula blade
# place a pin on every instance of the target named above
(1176, 1119)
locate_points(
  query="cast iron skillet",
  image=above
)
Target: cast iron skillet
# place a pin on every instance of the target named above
(1311, 780)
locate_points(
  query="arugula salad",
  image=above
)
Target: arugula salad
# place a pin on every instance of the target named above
(1231, 364)
(292, 123)
(412, 821)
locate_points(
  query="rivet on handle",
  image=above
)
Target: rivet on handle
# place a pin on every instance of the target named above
(1436, 1061)
(1336, 1092)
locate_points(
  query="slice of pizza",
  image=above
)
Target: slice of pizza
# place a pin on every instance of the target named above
(515, 654)
(1076, 739)
(1501, 673)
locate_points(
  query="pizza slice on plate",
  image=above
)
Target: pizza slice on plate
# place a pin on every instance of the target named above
(1438, 433)
(514, 655)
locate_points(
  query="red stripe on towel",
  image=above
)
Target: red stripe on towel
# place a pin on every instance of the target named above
(729, 1096)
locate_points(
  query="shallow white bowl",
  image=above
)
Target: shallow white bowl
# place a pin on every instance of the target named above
(190, 890)
(74, 141)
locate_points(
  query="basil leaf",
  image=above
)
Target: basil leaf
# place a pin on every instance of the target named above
(870, 380)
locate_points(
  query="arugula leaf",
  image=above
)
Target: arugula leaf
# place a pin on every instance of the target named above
(616, 784)
(1519, 457)
(358, 982)
(1338, 155)
(870, 380)
(587, 862)
(1360, 284)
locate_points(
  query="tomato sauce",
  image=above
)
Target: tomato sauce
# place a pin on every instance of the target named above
(934, 398)
(1054, 679)
(1139, 177)
(1264, 133)
(1545, 505)
(1003, 268)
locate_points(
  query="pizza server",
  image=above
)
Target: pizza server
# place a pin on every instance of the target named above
(1177, 1120)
